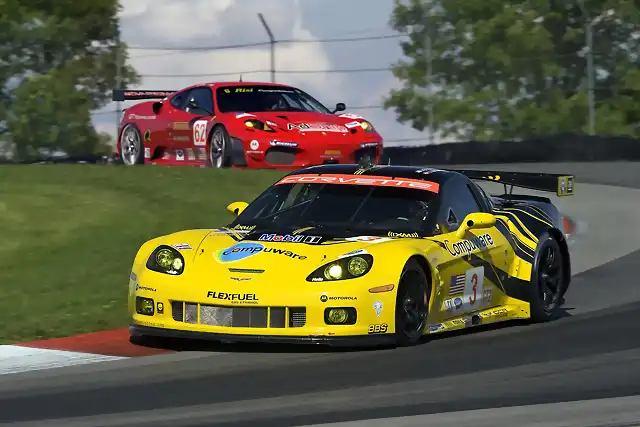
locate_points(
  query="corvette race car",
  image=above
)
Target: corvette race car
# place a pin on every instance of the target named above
(253, 125)
(342, 254)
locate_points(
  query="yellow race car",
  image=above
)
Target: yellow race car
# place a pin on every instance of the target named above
(342, 254)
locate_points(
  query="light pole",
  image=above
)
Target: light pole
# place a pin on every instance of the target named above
(591, 79)
(273, 47)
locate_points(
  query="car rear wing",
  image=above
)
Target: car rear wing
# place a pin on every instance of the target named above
(126, 95)
(562, 185)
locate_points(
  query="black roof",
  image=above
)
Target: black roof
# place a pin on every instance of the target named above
(414, 172)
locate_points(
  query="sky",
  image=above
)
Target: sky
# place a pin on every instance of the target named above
(176, 24)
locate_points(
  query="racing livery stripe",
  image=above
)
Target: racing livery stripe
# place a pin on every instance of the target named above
(520, 249)
(520, 226)
(524, 211)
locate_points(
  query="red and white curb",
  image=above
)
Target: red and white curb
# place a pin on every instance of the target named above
(70, 351)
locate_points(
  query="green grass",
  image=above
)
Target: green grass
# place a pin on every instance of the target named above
(68, 235)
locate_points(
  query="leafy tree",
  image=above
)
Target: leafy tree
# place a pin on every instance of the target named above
(505, 69)
(59, 63)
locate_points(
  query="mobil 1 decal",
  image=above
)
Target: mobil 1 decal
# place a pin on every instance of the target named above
(469, 246)
(290, 238)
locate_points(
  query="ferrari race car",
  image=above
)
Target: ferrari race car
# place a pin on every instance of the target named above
(253, 125)
(341, 254)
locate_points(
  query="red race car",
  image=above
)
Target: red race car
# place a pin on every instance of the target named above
(240, 124)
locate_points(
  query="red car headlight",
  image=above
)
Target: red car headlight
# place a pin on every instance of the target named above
(366, 126)
(257, 124)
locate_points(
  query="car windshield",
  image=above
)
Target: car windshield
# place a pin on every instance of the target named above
(253, 99)
(354, 207)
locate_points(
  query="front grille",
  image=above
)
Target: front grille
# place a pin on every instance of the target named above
(239, 317)
(280, 155)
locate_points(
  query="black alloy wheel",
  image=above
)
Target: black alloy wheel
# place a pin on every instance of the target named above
(412, 304)
(548, 281)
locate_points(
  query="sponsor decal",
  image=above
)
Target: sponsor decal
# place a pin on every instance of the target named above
(244, 250)
(316, 127)
(241, 115)
(352, 125)
(290, 238)
(368, 239)
(180, 126)
(435, 328)
(468, 246)
(394, 234)
(350, 116)
(144, 288)
(147, 135)
(243, 228)
(254, 145)
(487, 295)
(501, 312)
(378, 181)
(368, 144)
(133, 276)
(378, 329)
(352, 253)
(233, 298)
(271, 124)
(239, 252)
(147, 152)
(190, 154)
(333, 152)
(180, 155)
(426, 171)
(470, 284)
(326, 298)
(160, 308)
(276, 143)
(377, 307)
(240, 279)
(137, 117)
(183, 246)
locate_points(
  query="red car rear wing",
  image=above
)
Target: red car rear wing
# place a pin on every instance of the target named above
(125, 95)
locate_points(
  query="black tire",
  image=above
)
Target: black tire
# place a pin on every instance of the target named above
(219, 144)
(412, 304)
(548, 283)
(131, 146)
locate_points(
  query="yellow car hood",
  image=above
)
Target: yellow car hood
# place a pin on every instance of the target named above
(225, 253)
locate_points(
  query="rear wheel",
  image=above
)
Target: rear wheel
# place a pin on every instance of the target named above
(131, 147)
(218, 148)
(412, 304)
(548, 282)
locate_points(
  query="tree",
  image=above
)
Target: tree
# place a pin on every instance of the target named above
(61, 63)
(517, 69)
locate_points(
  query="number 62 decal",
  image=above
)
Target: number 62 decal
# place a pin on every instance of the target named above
(200, 133)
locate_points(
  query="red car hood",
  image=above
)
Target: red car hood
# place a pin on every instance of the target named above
(303, 121)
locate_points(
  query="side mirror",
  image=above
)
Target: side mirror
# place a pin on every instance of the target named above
(340, 106)
(157, 106)
(236, 208)
(475, 221)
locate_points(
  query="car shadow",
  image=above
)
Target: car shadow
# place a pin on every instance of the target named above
(193, 345)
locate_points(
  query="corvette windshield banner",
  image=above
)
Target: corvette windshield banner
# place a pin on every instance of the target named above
(377, 181)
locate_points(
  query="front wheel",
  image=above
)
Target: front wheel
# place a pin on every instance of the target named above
(412, 304)
(218, 148)
(548, 281)
(131, 147)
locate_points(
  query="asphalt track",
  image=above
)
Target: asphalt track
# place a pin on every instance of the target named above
(590, 357)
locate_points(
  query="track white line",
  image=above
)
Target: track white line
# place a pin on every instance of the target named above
(15, 359)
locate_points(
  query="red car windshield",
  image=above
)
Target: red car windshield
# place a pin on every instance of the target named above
(253, 99)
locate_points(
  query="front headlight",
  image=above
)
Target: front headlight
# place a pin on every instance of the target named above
(366, 126)
(257, 124)
(166, 259)
(343, 269)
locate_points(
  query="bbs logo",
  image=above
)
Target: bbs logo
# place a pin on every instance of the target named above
(378, 329)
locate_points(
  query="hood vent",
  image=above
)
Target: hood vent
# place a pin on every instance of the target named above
(283, 117)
